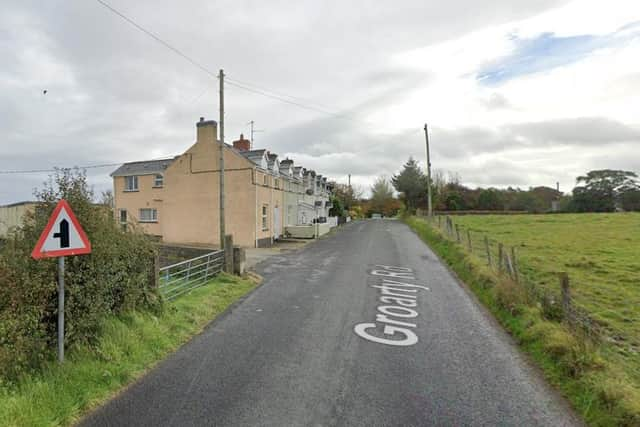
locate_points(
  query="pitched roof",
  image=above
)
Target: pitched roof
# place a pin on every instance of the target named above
(148, 167)
(255, 156)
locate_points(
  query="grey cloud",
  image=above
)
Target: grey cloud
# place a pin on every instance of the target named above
(579, 131)
(116, 95)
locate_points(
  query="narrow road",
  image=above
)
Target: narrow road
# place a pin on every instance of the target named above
(363, 328)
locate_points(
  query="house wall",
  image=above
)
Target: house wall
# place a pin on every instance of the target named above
(147, 196)
(192, 200)
(188, 203)
(12, 216)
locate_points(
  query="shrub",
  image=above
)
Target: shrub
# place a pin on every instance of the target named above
(114, 277)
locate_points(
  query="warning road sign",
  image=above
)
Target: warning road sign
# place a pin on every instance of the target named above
(62, 236)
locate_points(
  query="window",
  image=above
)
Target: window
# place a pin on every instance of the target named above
(158, 181)
(266, 180)
(265, 222)
(148, 215)
(276, 183)
(131, 183)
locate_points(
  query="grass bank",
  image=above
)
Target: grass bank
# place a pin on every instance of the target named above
(590, 374)
(129, 345)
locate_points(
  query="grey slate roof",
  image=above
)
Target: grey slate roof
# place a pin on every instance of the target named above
(143, 168)
(254, 155)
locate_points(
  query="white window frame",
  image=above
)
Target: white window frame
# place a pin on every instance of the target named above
(265, 180)
(158, 180)
(265, 217)
(153, 218)
(134, 182)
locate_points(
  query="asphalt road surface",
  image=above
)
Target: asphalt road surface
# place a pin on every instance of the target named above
(361, 328)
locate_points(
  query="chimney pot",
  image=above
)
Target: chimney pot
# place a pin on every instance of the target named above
(202, 119)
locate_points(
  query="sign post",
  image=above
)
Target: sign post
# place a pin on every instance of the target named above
(62, 236)
(61, 309)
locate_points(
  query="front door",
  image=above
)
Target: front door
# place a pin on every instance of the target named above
(277, 223)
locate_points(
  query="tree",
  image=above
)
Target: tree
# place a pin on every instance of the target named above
(490, 199)
(630, 200)
(381, 195)
(602, 190)
(337, 209)
(348, 195)
(412, 184)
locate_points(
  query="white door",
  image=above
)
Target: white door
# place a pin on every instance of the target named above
(276, 222)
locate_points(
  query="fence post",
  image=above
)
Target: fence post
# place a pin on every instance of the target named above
(188, 270)
(439, 221)
(486, 246)
(500, 257)
(239, 260)
(514, 264)
(154, 271)
(566, 295)
(458, 234)
(228, 254)
(469, 241)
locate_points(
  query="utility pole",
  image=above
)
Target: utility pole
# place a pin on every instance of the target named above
(222, 228)
(429, 208)
(349, 180)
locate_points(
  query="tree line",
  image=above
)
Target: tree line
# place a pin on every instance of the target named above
(605, 190)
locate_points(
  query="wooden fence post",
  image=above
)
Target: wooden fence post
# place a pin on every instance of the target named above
(469, 241)
(566, 295)
(514, 264)
(458, 233)
(500, 257)
(486, 246)
(154, 271)
(439, 221)
(228, 254)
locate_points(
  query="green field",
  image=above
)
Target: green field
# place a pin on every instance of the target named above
(600, 252)
(599, 372)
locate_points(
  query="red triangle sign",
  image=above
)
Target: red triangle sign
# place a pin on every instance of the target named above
(62, 236)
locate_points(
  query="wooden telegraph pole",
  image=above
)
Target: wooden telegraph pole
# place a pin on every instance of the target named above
(429, 209)
(222, 228)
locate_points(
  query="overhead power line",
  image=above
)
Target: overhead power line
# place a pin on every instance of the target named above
(27, 171)
(288, 99)
(158, 39)
(103, 165)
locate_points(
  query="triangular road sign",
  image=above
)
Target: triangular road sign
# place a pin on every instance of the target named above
(62, 236)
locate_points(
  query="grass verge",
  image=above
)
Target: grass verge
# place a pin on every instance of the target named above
(130, 345)
(581, 369)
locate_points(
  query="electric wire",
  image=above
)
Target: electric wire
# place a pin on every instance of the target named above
(288, 99)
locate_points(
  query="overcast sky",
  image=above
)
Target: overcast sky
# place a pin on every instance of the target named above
(520, 93)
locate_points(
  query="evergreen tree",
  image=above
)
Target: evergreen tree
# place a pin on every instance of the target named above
(412, 184)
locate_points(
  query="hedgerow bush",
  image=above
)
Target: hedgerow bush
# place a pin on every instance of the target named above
(116, 276)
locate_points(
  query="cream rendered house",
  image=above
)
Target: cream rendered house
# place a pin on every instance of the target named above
(178, 199)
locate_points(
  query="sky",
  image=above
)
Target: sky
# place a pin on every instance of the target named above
(515, 93)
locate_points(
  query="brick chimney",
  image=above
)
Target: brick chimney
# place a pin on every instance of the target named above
(207, 131)
(242, 144)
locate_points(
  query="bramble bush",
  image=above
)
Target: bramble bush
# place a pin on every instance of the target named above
(117, 276)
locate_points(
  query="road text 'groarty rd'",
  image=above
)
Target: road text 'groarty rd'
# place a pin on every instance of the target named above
(394, 320)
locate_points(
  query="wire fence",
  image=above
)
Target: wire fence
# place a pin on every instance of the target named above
(556, 302)
(180, 278)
